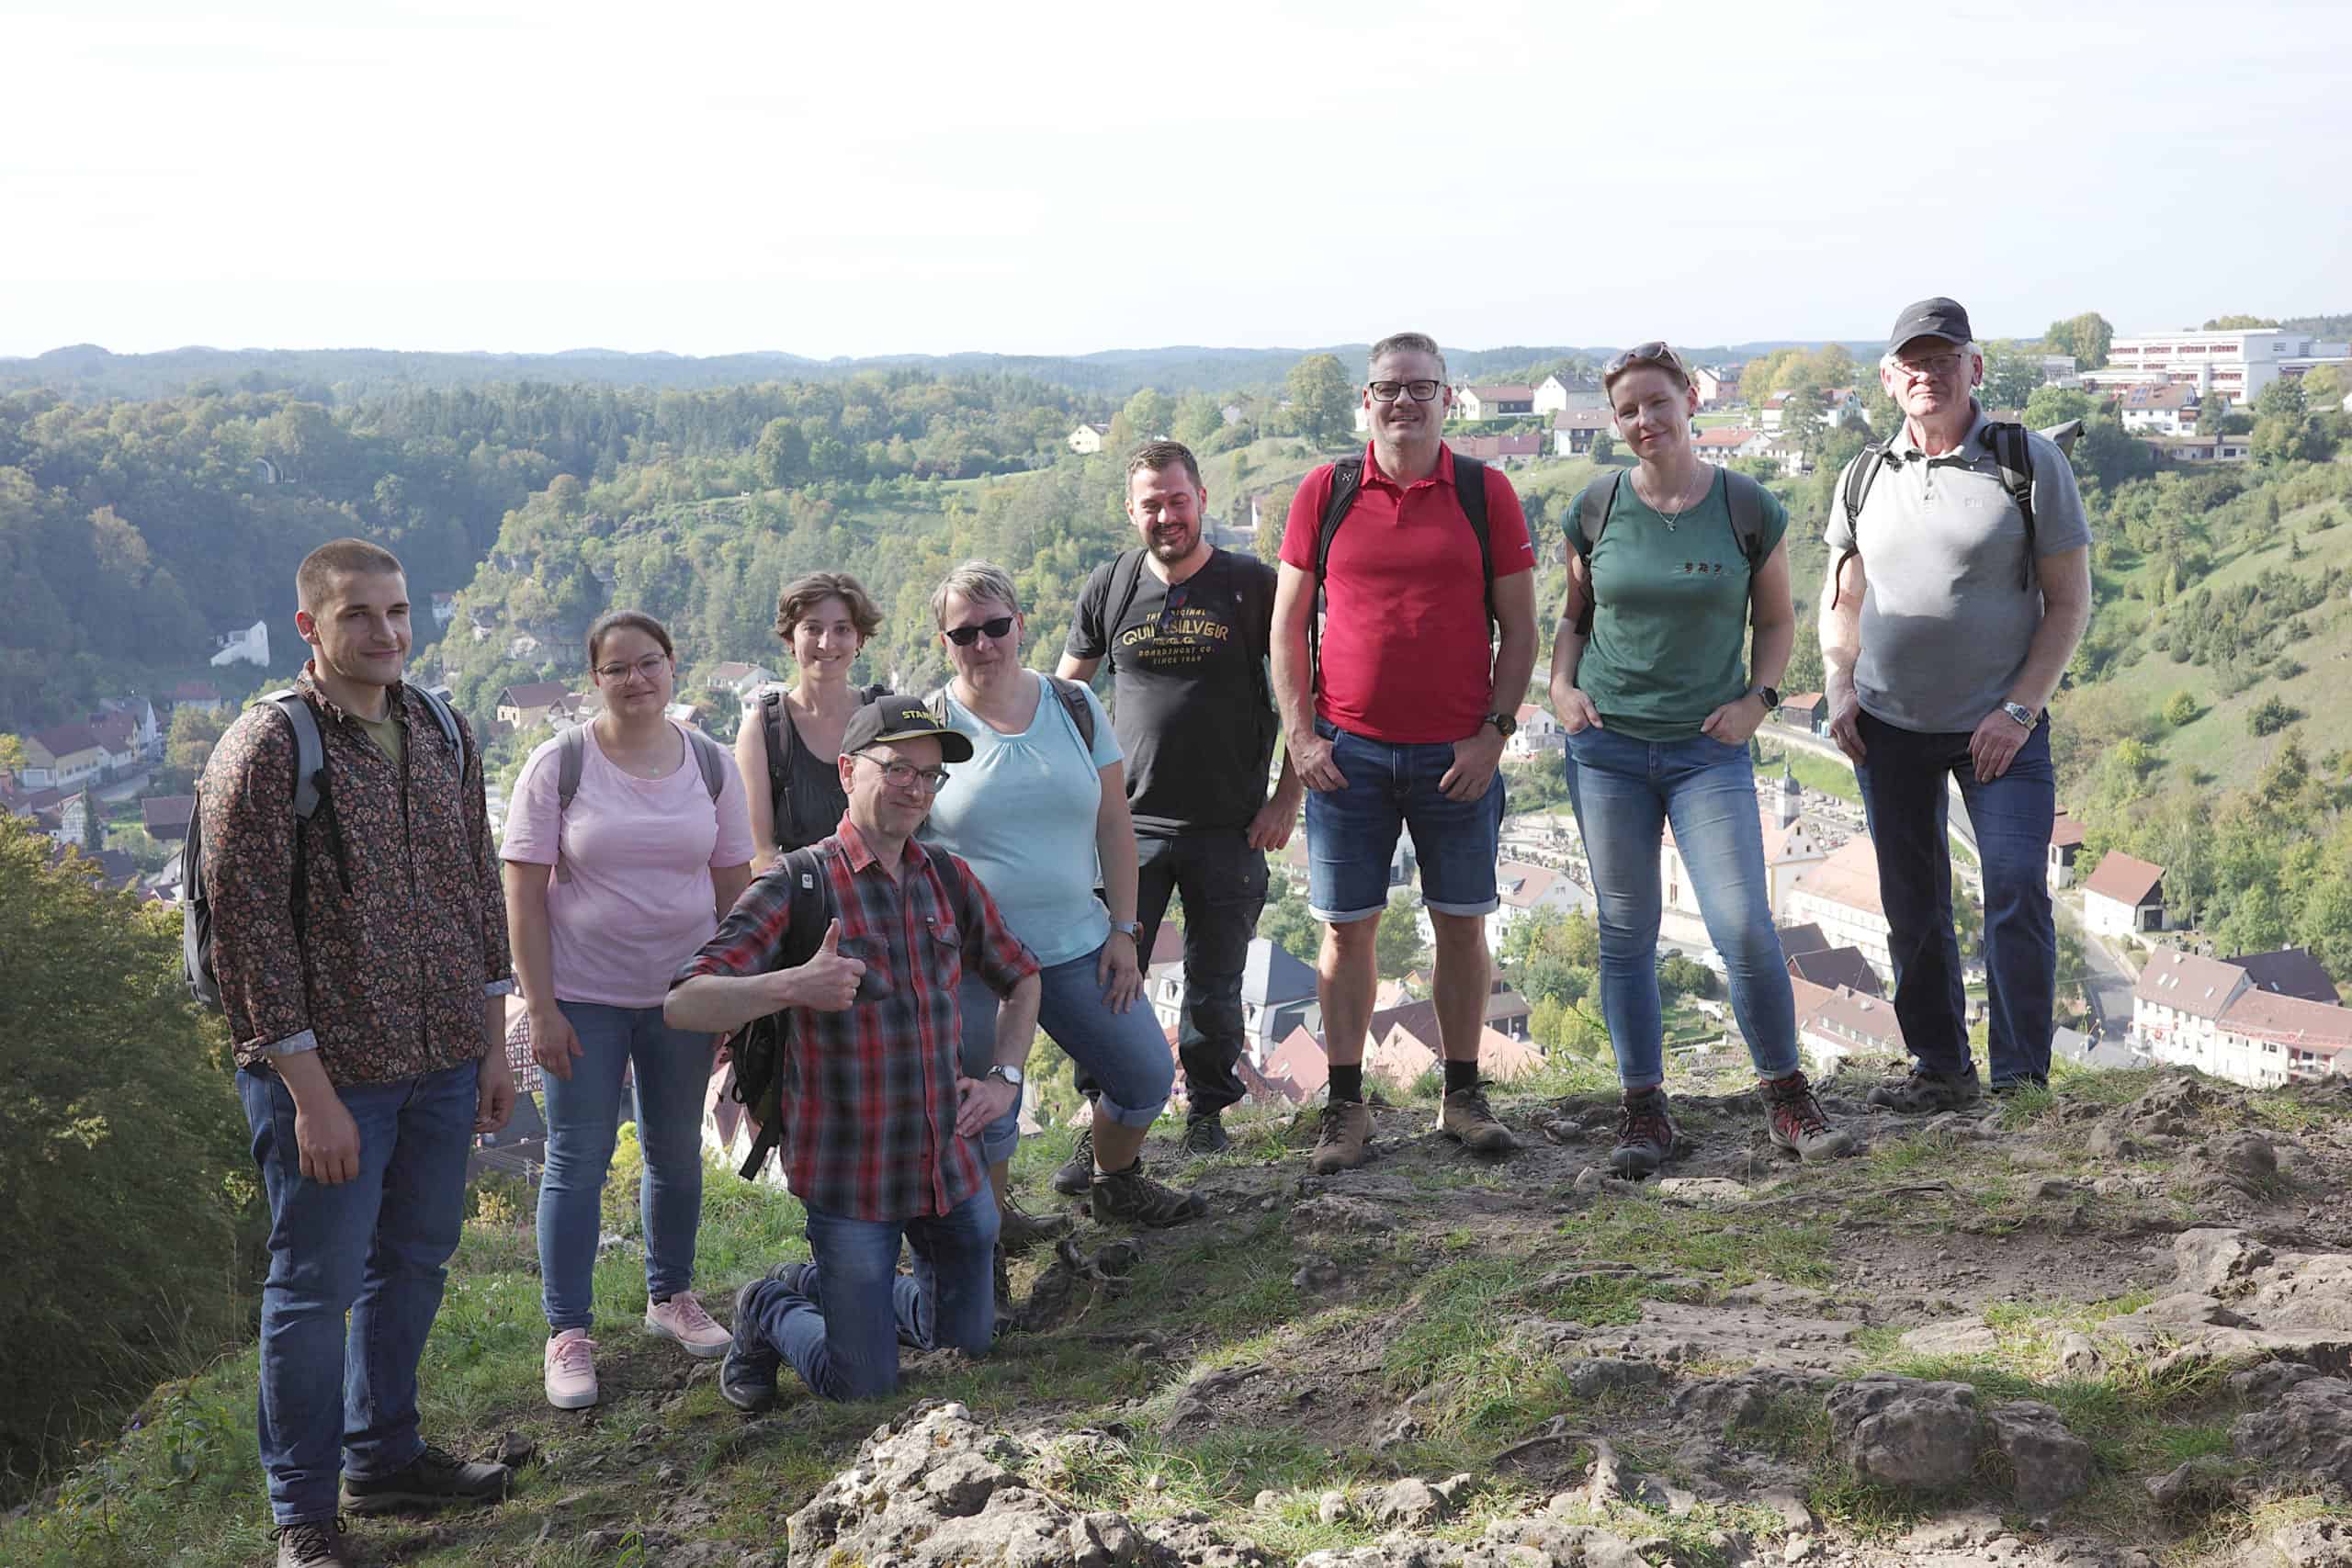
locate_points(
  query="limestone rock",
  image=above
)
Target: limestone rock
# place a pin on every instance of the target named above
(1332, 1213)
(1904, 1432)
(2203, 1479)
(2078, 1357)
(1608, 1374)
(2212, 1259)
(2307, 1432)
(2312, 1543)
(1959, 1336)
(2052, 1465)
(2248, 1158)
(1411, 1503)
(1702, 1191)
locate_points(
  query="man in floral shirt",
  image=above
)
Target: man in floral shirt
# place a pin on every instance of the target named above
(362, 961)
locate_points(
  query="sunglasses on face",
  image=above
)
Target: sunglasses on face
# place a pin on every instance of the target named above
(1655, 352)
(965, 636)
(1389, 392)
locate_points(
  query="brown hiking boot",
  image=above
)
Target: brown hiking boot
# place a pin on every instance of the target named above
(1646, 1135)
(317, 1544)
(1135, 1199)
(1466, 1118)
(1344, 1138)
(1018, 1230)
(1798, 1123)
(1923, 1093)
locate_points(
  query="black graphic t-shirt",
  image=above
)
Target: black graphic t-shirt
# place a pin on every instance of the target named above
(1190, 697)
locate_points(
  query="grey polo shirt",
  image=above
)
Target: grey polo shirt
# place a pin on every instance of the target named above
(1945, 622)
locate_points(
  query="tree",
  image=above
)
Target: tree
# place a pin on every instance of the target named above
(12, 754)
(2011, 378)
(781, 457)
(1397, 946)
(1151, 414)
(1679, 976)
(1320, 398)
(1274, 515)
(2087, 337)
(2270, 715)
(1289, 925)
(126, 1195)
(2048, 405)
(2236, 323)
(1604, 449)
(2324, 387)
(1803, 419)
(1200, 418)
(194, 733)
(2180, 708)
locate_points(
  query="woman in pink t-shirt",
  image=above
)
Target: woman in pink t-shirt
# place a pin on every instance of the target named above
(605, 898)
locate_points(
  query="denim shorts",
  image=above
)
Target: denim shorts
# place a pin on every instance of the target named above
(1351, 831)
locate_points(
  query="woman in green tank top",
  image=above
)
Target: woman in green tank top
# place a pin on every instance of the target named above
(1671, 564)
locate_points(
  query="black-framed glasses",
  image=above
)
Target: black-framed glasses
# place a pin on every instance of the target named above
(648, 667)
(1389, 392)
(965, 636)
(906, 775)
(1655, 352)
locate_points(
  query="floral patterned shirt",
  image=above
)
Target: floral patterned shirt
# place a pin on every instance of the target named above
(380, 959)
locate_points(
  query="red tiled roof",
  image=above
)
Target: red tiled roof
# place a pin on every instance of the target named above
(64, 739)
(2066, 831)
(2188, 982)
(2291, 1021)
(1299, 1060)
(1729, 436)
(1849, 877)
(2124, 878)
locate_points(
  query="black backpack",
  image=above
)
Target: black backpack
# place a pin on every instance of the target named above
(1347, 483)
(763, 1048)
(309, 793)
(2006, 442)
(1743, 497)
(1129, 567)
(779, 741)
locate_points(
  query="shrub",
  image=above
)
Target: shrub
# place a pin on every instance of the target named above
(2179, 709)
(2270, 715)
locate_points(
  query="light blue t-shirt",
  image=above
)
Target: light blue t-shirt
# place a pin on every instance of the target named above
(1021, 813)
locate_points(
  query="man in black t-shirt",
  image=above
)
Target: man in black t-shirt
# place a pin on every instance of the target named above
(1185, 626)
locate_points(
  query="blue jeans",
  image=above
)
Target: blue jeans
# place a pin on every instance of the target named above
(1351, 832)
(1903, 777)
(373, 1247)
(672, 1071)
(1623, 792)
(842, 1328)
(1123, 1055)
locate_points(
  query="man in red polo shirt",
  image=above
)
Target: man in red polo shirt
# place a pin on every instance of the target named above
(1399, 721)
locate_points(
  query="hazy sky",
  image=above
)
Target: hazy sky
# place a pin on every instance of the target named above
(887, 175)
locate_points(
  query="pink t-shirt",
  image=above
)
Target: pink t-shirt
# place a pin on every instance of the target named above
(640, 853)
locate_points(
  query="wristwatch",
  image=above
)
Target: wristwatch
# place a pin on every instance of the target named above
(1771, 695)
(1506, 725)
(1003, 1074)
(1126, 928)
(2022, 713)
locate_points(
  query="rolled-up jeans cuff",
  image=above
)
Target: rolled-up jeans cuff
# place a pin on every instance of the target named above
(1122, 1116)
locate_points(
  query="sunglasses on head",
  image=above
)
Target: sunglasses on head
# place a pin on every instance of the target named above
(1655, 352)
(965, 636)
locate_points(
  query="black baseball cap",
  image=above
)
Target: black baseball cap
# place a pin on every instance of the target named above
(1937, 317)
(893, 717)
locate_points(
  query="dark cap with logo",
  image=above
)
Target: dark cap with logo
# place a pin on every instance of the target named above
(893, 717)
(1937, 317)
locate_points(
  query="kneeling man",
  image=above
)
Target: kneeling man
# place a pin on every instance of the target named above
(879, 1118)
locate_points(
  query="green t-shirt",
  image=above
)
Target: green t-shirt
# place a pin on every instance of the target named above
(389, 737)
(1670, 624)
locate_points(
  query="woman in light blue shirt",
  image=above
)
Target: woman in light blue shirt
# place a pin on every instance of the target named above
(1034, 813)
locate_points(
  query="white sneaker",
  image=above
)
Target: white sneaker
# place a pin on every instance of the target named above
(571, 1370)
(682, 1318)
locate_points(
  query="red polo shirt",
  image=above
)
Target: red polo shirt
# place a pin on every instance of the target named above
(1406, 652)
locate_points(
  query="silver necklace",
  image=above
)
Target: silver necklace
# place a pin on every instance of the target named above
(1674, 517)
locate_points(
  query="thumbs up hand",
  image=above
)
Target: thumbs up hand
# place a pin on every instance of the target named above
(827, 982)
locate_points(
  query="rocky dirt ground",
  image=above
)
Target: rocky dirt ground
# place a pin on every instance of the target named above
(2106, 1325)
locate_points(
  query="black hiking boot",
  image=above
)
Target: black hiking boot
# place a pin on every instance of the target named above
(1206, 1135)
(1646, 1135)
(747, 1376)
(1924, 1093)
(1797, 1122)
(1076, 1174)
(433, 1478)
(317, 1543)
(1135, 1199)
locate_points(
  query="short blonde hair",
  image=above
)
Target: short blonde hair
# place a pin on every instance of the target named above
(973, 581)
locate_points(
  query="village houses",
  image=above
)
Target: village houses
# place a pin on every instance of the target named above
(2209, 1013)
(2124, 897)
(1840, 895)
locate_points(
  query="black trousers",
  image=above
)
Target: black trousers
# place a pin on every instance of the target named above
(1223, 883)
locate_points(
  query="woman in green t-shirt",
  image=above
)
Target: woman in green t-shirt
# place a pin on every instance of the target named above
(1670, 565)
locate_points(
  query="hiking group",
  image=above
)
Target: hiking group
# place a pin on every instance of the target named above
(874, 909)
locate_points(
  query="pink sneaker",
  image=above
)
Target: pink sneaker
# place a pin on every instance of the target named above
(571, 1370)
(682, 1318)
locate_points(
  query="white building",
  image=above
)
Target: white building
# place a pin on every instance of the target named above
(2124, 897)
(2237, 364)
(2194, 448)
(1840, 895)
(1493, 401)
(1528, 891)
(1716, 385)
(248, 644)
(1086, 439)
(1724, 442)
(1555, 396)
(1791, 846)
(1575, 430)
(2166, 410)
(2199, 1013)
(1538, 733)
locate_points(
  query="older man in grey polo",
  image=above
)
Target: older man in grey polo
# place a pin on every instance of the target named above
(1947, 618)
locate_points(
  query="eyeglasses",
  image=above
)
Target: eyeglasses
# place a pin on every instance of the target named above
(965, 636)
(1389, 392)
(647, 668)
(1934, 365)
(1654, 352)
(906, 775)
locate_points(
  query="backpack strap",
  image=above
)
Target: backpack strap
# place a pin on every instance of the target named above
(310, 751)
(1081, 711)
(2014, 453)
(1130, 566)
(1860, 474)
(571, 760)
(1347, 483)
(1594, 504)
(1470, 494)
(447, 719)
(1744, 497)
(714, 760)
(777, 740)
